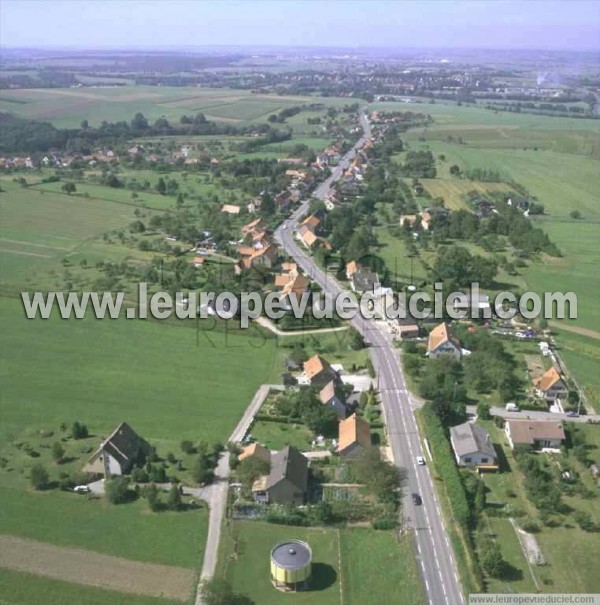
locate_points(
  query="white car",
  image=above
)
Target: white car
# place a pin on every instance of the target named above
(420, 461)
(82, 489)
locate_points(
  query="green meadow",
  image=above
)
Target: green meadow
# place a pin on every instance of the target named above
(66, 108)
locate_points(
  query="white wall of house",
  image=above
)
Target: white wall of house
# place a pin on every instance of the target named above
(446, 348)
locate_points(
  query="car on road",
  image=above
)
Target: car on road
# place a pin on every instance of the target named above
(511, 407)
(420, 461)
(572, 414)
(82, 489)
(417, 500)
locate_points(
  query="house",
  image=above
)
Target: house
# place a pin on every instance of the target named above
(473, 305)
(319, 372)
(313, 223)
(443, 342)
(230, 209)
(118, 453)
(410, 219)
(536, 434)
(354, 436)
(351, 269)
(255, 450)
(288, 480)
(364, 280)
(198, 261)
(423, 218)
(407, 331)
(472, 446)
(329, 396)
(550, 386)
(256, 225)
(263, 257)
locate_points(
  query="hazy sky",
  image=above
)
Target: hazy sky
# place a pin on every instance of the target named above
(536, 24)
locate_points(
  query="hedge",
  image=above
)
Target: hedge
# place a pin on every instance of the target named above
(443, 460)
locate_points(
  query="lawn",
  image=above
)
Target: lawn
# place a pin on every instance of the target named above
(27, 589)
(148, 373)
(128, 530)
(374, 565)
(276, 435)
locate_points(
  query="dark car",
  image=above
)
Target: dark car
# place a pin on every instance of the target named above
(417, 499)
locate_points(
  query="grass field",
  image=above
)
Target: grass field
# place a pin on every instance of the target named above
(148, 373)
(66, 108)
(276, 435)
(27, 589)
(373, 565)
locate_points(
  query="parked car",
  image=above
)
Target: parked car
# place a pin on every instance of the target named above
(511, 407)
(417, 499)
(82, 489)
(420, 461)
(572, 414)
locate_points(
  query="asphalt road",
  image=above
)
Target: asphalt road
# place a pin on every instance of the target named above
(434, 553)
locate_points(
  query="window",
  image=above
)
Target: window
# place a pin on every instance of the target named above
(467, 460)
(484, 460)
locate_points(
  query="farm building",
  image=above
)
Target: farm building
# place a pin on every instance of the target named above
(319, 372)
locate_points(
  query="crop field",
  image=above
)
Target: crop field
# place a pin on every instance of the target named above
(93, 569)
(374, 565)
(454, 192)
(18, 588)
(66, 108)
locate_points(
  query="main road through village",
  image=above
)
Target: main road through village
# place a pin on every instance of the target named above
(434, 553)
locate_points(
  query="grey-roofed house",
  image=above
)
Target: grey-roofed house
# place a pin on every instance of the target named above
(364, 280)
(288, 480)
(118, 453)
(472, 446)
(330, 396)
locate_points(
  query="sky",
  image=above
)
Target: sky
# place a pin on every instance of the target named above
(156, 24)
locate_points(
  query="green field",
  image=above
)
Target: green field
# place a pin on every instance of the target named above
(374, 565)
(66, 108)
(127, 530)
(27, 589)
(150, 374)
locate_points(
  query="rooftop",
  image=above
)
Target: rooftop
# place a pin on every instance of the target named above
(292, 554)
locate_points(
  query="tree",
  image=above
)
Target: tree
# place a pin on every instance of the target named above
(58, 452)
(152, 496)
(139, 122)
(137, 227)
(219, 592)
(38, 476)
(84, 124)
(117, 489)
(575, 214)
(201, 471)
(174, 498)
(250, 469)
(187, 447)
(69, 188)
(161, 186)
(483, 410)
(492, 561)
(357, 342)
(79, 430)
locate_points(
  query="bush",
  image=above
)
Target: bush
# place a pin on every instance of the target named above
(117, 490)
(38, 476)
(483, 410)
(530, 525)
(384, 523)
(584, 520)
(187, 447)
(58, 452)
